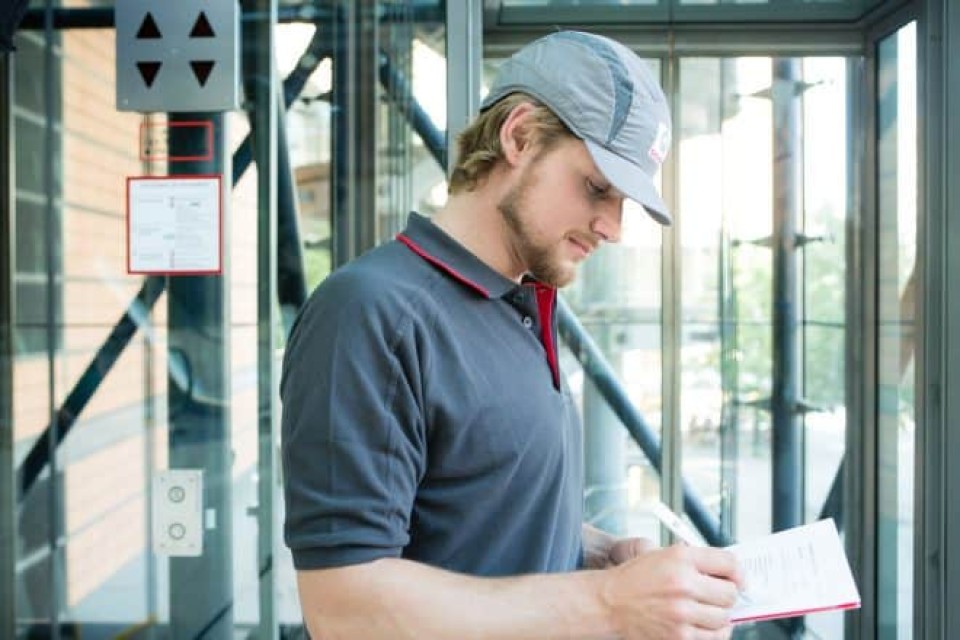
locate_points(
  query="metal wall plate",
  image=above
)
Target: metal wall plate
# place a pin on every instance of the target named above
(177, 512)
(176, 58)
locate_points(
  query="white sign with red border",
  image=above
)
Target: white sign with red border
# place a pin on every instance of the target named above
(175, 225)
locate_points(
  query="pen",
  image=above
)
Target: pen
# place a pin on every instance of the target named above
(682, 530)
(673, 522)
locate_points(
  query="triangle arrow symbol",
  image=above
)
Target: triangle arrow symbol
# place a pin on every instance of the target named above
(202, 28)
(148, 71)
(148, 29)
(202, 69)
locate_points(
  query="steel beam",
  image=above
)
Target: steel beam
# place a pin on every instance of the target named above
(353, 192)
(422, 12)
(8, 495)
(263, 92)
(464, 67)
(936, 512)
(605, 467)
(201, 588)
(787, 464)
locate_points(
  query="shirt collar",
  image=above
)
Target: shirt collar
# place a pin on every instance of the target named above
(433, 244)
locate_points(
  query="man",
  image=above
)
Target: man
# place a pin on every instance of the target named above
(431, 448)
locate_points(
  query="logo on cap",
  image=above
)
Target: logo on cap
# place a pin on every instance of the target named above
(661, 143)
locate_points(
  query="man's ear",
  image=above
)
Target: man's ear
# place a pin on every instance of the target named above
(516, 133)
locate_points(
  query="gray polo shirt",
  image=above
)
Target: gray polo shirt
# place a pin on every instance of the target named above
(424, 417)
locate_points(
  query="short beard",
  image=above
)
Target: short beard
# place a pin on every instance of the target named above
(539, 260)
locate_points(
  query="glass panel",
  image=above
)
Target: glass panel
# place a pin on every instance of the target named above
(428, 71)
(308, 134)
(825, 180)
(82, 536)
(896, 331)
(411, 175)
(725, 192)
(39, 522)
(85, 550)
(738, 160)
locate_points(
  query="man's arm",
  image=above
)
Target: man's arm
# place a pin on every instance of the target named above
(675, 592)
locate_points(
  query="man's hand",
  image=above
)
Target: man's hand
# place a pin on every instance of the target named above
(677, 592)
(602, 550)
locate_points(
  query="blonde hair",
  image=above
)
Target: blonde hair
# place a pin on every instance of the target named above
(478, 146)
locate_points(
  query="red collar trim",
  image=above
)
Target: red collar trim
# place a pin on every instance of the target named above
(456, 275)
(546, 299)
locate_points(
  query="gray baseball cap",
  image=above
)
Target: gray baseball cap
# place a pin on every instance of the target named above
(608, 98)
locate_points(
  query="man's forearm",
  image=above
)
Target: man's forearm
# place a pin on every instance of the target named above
(395, 599)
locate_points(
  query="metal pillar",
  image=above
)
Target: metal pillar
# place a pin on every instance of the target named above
(671, 317)
(291, 289)
(729, 382)
(936, 564)
(605, 469)
(788, 197)
(605, 466)
(353, 192)
(53, 191)
(262, 89)
(949, 94)
(201, 588)
(464, 68)
(8, 496)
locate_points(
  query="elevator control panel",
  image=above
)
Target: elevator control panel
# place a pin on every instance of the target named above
(178, 512)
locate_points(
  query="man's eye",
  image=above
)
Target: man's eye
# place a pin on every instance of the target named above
(596, 190)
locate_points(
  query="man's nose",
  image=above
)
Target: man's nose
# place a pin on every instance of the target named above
(607, 224)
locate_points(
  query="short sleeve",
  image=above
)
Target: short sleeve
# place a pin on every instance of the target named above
(353, 443)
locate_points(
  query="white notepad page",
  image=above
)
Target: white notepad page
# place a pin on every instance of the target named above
(794, 572)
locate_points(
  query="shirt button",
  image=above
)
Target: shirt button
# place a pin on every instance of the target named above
(527, 321)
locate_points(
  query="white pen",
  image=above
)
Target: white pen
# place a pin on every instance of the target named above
(674, 523)
(682, 530)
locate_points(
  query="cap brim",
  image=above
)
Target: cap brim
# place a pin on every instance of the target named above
(630, 180)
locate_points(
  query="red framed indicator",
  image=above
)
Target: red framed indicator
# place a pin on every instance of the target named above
(175, 225)
(154, 141)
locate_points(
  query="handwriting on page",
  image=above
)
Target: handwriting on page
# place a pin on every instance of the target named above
(795, 572)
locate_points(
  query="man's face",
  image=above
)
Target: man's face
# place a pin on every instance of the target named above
(559, 210)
